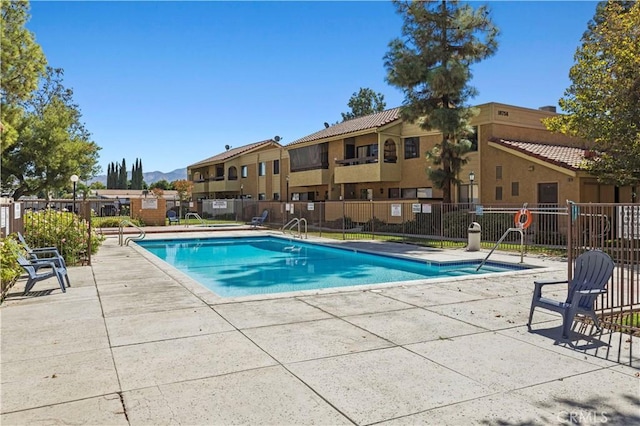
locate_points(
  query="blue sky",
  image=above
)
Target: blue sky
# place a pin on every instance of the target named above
(172, 83)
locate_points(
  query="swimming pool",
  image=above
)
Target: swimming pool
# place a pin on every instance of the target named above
(242, 266)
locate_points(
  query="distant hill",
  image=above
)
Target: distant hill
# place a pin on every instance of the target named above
(150, 177)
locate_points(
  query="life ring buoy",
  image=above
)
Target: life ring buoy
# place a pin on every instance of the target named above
(528, 218)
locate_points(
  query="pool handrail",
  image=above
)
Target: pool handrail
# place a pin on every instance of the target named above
(121, 226)
(195, 216)
(296, 221)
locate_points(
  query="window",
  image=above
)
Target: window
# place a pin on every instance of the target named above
(349, 148)
(425, 192)
(244, 171)
(276, 167)
(276, 196)
(390, 155)
(366, 151)
(309, 158)
(411, 147)
(498, 172)
(515, 189)
(394, 192)
(498, 193)
(219, 173)
(233, 173)
(262, 169)
(409, 193)
(262, 196)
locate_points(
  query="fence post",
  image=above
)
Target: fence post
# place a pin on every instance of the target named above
(570, 213)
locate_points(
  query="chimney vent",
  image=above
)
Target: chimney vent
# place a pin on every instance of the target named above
(548, 108)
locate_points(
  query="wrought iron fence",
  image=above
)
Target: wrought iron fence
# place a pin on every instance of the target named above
(436, 224)
(614, 229)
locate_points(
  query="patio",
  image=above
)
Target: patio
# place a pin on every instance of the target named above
(134, 342)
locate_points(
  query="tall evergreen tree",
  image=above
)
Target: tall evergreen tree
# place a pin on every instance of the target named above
(122, 176)
(603, 102)
(431, 64)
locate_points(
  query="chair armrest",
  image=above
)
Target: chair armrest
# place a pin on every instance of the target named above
(545, 282)
(591, 291)
(44, 249)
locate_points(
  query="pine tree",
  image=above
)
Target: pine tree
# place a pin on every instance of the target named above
(431, 64)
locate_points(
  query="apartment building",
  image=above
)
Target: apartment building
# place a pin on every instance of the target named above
(514, 159)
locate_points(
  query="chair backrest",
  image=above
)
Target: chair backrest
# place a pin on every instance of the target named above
(265, 214)
(23, 241)
(27, 266)
(171, 214)
(593, 269)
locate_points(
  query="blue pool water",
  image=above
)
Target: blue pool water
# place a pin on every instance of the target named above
(259, 265)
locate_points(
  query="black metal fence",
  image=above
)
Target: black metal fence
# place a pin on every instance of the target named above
(614, 229)
(436, 224)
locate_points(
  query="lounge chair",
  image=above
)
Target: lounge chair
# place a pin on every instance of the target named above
(33, 270)
(173, 217)
(51, 254)
(593, 269)
(259, 220)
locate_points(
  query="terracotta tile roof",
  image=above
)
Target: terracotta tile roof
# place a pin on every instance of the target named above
(372, 121)
(563, 156)
(235, 152)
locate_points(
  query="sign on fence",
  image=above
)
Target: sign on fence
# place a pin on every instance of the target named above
(310, 206)
(629, 222)
(415, 208)
(216, 204)
(396, 209)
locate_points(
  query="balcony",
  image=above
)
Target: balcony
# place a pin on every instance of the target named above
(310, 178)
(367, 169)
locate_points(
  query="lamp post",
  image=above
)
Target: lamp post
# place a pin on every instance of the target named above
(472, 177)
(241, 202)
(287, 189)
(74, 179)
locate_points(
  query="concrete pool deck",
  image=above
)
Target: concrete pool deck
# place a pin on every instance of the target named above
(137, 342)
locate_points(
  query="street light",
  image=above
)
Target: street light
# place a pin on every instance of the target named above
(472, 177)
(74, 179)
(241, 201)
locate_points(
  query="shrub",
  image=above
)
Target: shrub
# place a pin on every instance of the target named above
(9, 268)
(66, 231)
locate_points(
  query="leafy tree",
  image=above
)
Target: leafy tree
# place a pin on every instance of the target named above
(364, 102)
(184, 188)
(97, 185)
(162, 184)
(22, 63)
(52, 142)
(603, 101)
(431, 64)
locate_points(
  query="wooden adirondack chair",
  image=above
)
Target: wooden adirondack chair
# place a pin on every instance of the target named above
(593, 269)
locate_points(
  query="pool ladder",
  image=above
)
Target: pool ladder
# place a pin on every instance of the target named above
(122, 240)
(296, 223)
(195, 216)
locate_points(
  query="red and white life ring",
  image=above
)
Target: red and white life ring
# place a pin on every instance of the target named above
(528, 218)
